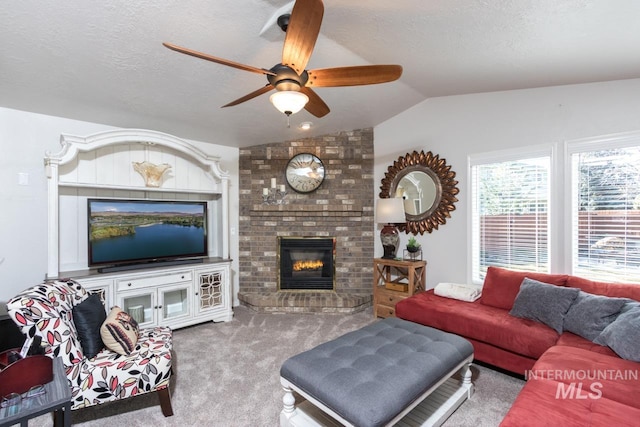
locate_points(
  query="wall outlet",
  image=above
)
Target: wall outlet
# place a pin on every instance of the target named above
(23, 178)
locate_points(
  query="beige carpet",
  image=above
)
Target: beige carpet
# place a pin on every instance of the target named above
(227, 374)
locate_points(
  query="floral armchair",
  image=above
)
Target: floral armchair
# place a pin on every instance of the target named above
(46, 310)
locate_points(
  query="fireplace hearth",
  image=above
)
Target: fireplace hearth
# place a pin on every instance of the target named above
(306, 263)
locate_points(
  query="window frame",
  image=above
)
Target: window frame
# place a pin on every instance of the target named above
(576, 146)
(543, 150)
(561, 231)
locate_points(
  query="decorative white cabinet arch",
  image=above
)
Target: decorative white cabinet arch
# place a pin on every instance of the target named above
(101, 165)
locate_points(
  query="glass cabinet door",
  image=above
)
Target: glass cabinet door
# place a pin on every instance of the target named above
(210, 291)
(174, 301)
(141, 306)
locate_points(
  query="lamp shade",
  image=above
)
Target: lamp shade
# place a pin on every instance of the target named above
(289, 101)
(390, 211)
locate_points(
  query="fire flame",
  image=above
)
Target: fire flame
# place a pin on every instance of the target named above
(307, 265)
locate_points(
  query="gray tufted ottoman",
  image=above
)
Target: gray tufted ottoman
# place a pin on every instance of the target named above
(391, 371)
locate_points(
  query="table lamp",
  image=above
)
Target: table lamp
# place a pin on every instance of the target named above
(390, 212)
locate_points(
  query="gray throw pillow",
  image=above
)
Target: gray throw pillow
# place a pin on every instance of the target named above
(590, 314)
(623, 334)
(543, 303)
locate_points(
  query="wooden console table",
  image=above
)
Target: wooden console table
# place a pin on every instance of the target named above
(393, 281)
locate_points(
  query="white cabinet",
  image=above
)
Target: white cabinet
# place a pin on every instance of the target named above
(213, 294)
(175, 302)
(142, 305)
(175, 296)
(165, 305)
(103, 165)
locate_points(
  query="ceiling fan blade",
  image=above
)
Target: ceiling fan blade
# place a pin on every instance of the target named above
(218, 60)
(316, 105)
(302, 33)
(249, 96)
(354, 76)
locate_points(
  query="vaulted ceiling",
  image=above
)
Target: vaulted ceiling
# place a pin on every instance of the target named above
(104, 62)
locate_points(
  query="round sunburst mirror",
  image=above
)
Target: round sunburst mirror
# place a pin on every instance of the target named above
(427, 185)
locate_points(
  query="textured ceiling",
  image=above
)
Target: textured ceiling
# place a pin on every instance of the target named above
(104, 61)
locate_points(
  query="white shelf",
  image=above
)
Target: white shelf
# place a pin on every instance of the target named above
(102, 165)
(133, 188)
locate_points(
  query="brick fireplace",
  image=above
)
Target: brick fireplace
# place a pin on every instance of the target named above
(341, 209)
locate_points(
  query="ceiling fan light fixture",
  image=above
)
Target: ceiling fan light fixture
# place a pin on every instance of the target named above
(289, 101)
(289, 76)
(283, 21)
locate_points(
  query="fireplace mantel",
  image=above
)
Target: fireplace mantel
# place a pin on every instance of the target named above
(306, 210)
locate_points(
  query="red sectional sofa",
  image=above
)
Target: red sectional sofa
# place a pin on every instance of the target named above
(571, 381)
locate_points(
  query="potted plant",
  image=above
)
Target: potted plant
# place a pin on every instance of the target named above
(413, 245)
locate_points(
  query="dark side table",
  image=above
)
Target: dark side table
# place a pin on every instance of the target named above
(10, 335)
(57, 399)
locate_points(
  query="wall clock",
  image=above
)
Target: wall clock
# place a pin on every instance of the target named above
(305, 172)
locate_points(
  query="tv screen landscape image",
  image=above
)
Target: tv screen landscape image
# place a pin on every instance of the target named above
(139, 231)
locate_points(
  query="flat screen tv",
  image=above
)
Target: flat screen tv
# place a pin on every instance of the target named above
(137, 232)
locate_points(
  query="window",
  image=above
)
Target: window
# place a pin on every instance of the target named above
(595, 235)
(510, 212)
(605, 209)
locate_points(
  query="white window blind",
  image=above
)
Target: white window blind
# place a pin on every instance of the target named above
(510, 215)
(605, 214)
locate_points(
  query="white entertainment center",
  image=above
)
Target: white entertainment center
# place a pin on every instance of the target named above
(103, 165)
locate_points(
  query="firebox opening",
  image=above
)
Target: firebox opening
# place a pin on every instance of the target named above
(306, 263)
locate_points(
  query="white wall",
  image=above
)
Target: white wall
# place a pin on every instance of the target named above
(452, 127)
(455, 127)
(24, 139)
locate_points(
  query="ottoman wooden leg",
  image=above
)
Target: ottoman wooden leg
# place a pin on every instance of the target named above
(466, 380)
(288, 406)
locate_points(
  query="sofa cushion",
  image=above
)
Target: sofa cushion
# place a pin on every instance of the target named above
(537, 405)
(621, 290)
(478, 322)
(543, 303)
(623, 335)
(88, 316)
(614, 378)
(501, 285)
(119, 332)
(501, 358)
(590, 314)
(572, 340)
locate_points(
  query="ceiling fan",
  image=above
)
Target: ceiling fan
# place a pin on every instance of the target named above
(293, 83)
